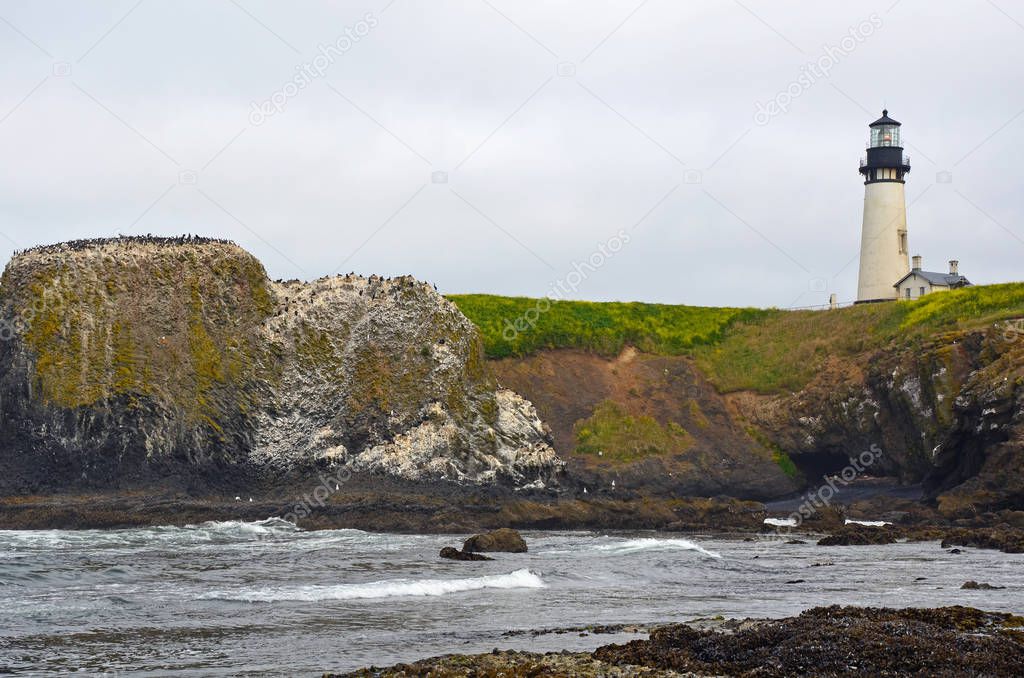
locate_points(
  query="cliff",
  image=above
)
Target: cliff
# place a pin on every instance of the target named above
(139, 360)
(928, 392)
(176, 363)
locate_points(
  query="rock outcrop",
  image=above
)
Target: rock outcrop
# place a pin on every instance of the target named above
(1004, 538)
(982, 586)
(837, 641)
(947, 412)
(452, 553)
(504, 540)
(858, 535)
(131, 360)
(823, 641)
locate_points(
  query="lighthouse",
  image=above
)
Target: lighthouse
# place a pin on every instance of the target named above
(884, 257)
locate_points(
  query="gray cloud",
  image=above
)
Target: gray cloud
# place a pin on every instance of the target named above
(557, 123)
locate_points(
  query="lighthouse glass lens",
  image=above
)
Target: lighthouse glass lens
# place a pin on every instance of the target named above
(886, 135)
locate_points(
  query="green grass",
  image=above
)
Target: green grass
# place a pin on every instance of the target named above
(767, 351)
(779, 455)
(967, 307)
(613, 435)
(783, 351)
(518, 326)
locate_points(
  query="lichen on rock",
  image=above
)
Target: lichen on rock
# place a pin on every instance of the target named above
(136, 357)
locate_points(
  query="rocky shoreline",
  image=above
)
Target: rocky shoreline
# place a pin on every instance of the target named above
(380, 505)
(824, 641)
(169, 381)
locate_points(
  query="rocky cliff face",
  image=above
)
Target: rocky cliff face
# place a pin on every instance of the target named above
(136, 360)
(947, 411)
(643, 424)
(139, 361)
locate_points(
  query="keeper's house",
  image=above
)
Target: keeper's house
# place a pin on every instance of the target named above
(918, 283)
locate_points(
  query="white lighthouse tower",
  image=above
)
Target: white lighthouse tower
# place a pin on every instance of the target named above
(884, 257)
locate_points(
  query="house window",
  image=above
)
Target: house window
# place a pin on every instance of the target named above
(922, 292)
(908, 293)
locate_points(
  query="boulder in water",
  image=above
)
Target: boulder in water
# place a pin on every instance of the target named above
(858, 535)
(505, 540)
(454, 554)
(976, 586)
(1004, 538)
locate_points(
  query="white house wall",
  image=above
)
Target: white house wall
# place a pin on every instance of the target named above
(914, 283)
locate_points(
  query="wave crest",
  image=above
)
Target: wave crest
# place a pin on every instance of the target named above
(520, 579)
(652, 544)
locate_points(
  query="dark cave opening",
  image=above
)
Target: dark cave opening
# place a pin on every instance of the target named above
(817, 467)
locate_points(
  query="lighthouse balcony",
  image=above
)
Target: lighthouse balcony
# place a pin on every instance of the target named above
(885, 165)
(901, 160)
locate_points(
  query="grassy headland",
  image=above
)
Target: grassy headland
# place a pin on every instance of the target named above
(767, 351)
(519, 326)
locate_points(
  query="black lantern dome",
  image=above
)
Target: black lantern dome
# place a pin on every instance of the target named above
(885, 160)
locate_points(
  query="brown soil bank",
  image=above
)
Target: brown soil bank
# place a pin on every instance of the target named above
(822, 642)
(648, 423)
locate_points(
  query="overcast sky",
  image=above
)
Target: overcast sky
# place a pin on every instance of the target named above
(490, 145)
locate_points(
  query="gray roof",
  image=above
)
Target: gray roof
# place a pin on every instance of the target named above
(885, 120)
(944, 279)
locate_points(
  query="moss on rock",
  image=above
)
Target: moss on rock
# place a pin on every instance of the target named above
(615, 435)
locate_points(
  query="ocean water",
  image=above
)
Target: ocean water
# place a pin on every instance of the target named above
(232, 598)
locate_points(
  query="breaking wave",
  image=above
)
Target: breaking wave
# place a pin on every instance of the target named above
(780, 522)
(239, 528)
(652, 544)
(520, 579)
(213, 532)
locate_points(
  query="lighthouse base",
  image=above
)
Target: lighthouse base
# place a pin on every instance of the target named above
(874, 301)
(883, 249)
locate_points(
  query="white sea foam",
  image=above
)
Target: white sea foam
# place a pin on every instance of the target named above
(651, 544)
(780, 522)
(241, 528)
(520, 579)
(868, 523)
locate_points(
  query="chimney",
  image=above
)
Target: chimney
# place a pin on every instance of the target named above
(917, 262)
(954, 267)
